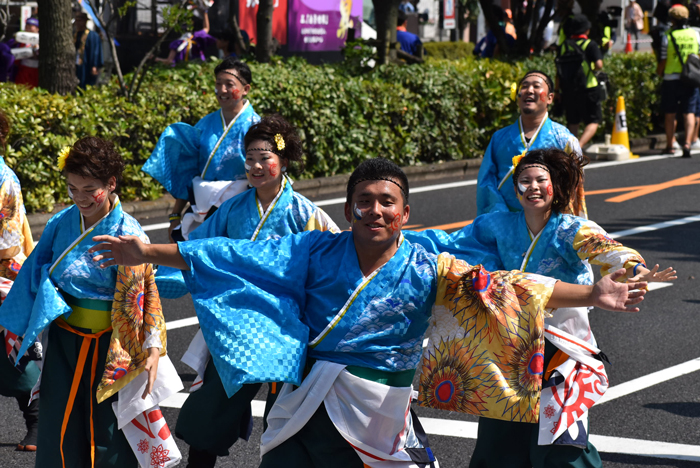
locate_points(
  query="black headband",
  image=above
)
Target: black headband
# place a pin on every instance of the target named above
(380, 178)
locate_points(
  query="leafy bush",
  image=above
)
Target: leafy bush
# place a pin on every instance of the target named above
(440, 110)
(448, 50)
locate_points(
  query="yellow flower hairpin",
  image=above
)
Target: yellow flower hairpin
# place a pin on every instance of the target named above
(280, 142)
(62, 156)
(516, 159)
(513, 91)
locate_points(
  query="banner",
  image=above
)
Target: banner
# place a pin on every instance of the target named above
(247, 19)
(318, 25)
(449, 17)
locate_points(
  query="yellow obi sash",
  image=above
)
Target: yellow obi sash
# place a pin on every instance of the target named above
(90, 314)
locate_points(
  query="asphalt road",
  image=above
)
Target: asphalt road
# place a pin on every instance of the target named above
(653, 422)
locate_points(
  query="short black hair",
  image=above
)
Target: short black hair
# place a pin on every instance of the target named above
(232, 63)
(272, 125)
(547, 79)
(400, 18)
(378, 169)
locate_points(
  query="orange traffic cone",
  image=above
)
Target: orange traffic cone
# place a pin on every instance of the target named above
(619, 133)
(628, 46)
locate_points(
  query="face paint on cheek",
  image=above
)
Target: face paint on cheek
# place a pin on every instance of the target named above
(99, 197)
(247, 168)
(543, 96)
(521, 190)
(396, 223)
(550, 190)
(273, 169)
(236, 94)
(356, 213)
(70, 194)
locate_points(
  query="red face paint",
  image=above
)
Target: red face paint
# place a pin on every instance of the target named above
(236, 93)
(543, 95)
(550, 190)
(99, 197)
(273, 169)
(396, 223)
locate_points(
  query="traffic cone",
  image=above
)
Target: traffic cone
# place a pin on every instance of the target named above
(628, 46)
(619, 133)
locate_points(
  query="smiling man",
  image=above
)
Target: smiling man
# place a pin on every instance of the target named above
(204, 164)
(533, 130)
(364, 299)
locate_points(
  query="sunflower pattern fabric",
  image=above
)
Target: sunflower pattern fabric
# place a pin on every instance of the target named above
(15, 236)
(485, 352)
(136, 314)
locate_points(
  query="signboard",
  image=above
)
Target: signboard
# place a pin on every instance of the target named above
(449, 17)
(318, 25)
(247, 19)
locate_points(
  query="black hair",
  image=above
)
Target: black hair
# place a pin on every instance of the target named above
(95, 158)
(547, 79)
(565, 172)
(242, 69)
(227, 35)
(400, 18)
(378, 169)
(275, 124)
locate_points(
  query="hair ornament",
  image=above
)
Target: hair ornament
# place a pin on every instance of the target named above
(279, 141)
(62, 156)
(516, 159)
(513, 91)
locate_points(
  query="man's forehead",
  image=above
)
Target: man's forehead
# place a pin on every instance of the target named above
(380, 186)
(532, 79)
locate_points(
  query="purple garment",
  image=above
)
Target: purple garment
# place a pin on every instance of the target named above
(6, 61)
(200, 42)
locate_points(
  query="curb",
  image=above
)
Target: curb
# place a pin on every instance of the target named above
(307, 187)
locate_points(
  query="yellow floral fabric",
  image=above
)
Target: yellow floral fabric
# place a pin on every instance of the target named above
(592, 243)
(485, 352)
(136, 315)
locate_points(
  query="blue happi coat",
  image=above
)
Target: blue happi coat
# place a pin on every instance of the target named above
(210, 150)
(266, 303)
(497, 163)
(61, 261)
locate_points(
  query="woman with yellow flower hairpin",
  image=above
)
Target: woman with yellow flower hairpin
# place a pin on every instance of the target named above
(209, 421)
(542, 239)
(15, 244)
(102, 329)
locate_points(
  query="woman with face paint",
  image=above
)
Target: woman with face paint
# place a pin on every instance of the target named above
(102, 330)
(209, 421)
(542, 240)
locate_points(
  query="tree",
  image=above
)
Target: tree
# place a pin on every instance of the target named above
(385, 14)
(263, 49)
(57, 64)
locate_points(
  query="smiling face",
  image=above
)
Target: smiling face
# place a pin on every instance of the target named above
(230, 89)
(376, 212)
(263, 167)
(534, 95)
(91, 196)
(534, 190)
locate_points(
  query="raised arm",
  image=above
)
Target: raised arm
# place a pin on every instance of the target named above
(130, 251)
(606, 294)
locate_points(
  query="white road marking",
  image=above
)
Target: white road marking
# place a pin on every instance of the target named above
(654, 227)
(655, 286)
(468, 430)
(649, 380)
(186, 322)
(155, 227)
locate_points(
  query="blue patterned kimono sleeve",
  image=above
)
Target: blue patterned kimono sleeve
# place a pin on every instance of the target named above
(174, 161)
(216, 225)
(16, 310)
(488, 198)
(248, 296)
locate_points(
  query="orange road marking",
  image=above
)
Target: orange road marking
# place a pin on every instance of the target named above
(445, 227)
(641, 190)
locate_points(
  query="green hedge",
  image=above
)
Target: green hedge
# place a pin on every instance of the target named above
(448, 50)
(440, 110)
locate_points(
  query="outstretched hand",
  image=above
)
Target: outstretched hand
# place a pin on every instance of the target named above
(618, 297)
(122, 250)
(654, 275)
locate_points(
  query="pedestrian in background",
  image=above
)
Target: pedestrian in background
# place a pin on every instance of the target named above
(634, 21)
(578, 58)
(88, 52)
(676, 96)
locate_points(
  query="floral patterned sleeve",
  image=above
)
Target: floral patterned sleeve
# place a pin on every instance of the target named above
(592, 243)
